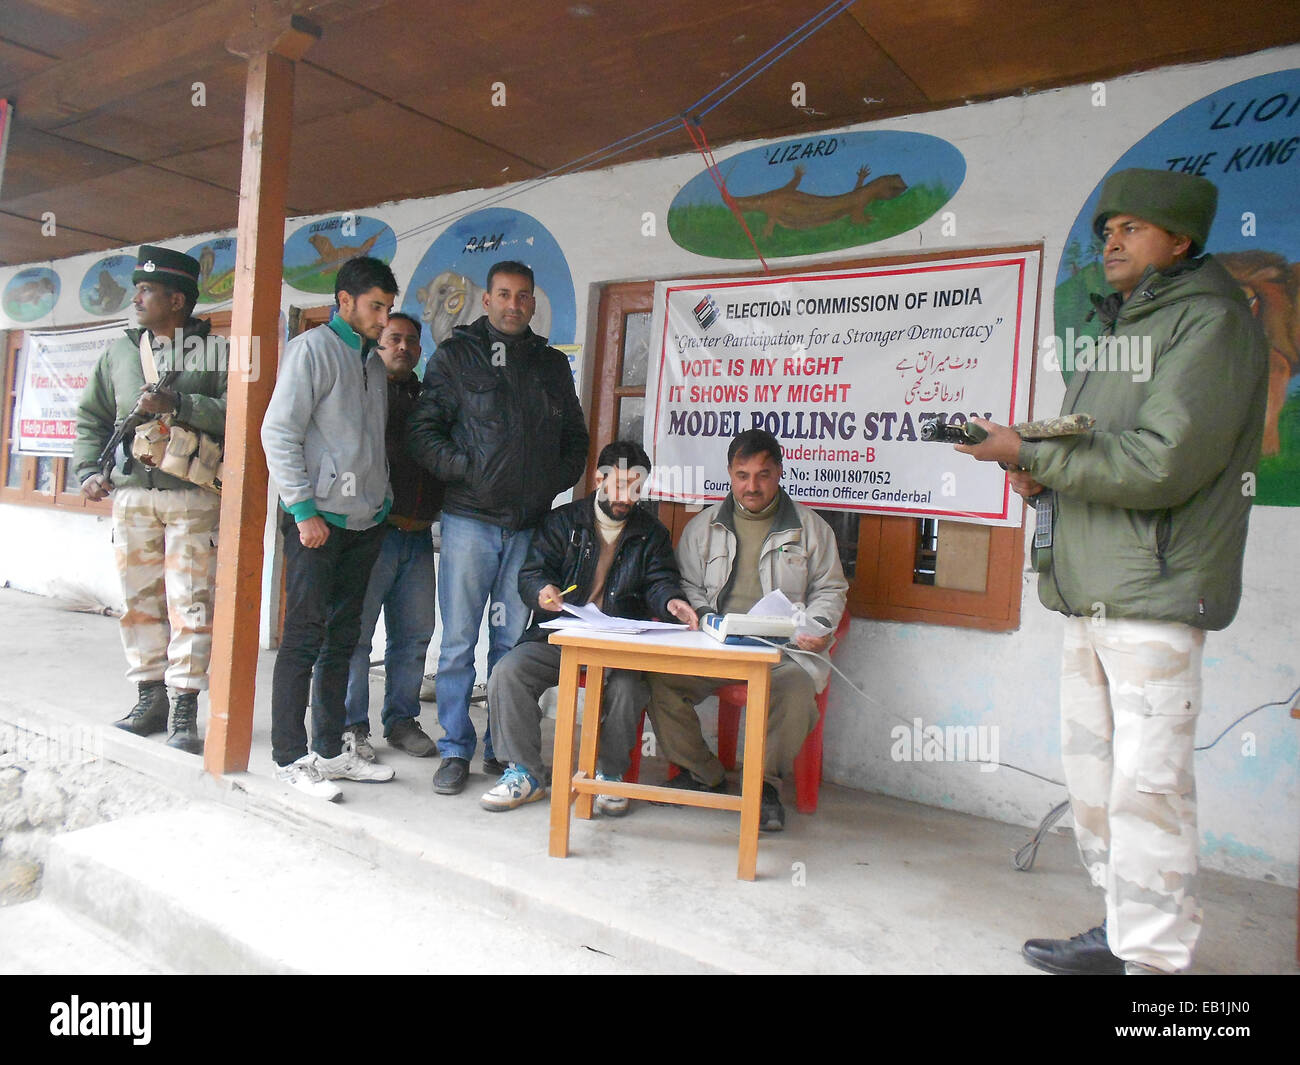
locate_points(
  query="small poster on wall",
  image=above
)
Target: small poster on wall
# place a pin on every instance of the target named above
(844, 369)
(53, 370)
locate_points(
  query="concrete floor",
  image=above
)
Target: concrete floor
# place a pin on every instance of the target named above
(868, 885)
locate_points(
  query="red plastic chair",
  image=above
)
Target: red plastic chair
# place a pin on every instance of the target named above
(808, 764)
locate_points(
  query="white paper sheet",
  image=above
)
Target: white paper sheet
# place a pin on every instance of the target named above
(588, 615)
(773, 605)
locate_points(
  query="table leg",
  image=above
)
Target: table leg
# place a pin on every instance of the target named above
(562, 772)
(751, 788)
(590, 737)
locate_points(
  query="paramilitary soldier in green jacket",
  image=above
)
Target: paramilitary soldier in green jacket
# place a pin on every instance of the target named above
(1140, 537)
(164, 528)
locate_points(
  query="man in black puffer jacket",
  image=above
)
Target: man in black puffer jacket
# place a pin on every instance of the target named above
(614, 554)
(500, 425)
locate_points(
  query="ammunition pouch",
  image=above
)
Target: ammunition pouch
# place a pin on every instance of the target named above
(182, 451)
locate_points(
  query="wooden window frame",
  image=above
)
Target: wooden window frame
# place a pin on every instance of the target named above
(883, 587)
(25, 494)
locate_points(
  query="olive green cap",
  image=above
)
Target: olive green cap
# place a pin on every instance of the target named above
(1181, 203)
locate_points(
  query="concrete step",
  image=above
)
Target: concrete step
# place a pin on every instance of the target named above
(42, 938)
(208, 890)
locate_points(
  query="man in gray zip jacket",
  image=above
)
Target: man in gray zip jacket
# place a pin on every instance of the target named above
(324, 440)
(1140, 538)
(732, 554)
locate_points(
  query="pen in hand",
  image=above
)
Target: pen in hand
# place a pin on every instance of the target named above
(552, 599)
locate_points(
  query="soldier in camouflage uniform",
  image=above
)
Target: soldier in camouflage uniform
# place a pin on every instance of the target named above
(1139, 541)
(164, 528)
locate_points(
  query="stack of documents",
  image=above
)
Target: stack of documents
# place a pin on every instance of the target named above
(589, 616)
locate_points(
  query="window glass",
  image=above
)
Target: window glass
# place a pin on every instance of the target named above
(636, 349)
(631, 417)
(45, 475)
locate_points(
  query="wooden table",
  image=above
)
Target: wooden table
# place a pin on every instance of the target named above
(688, 653)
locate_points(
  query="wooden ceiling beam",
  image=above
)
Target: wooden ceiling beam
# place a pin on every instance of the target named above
(284, 34)
(151, 56)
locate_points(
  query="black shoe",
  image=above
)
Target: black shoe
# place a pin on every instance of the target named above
(451, 776)
(494, 767)
(185, 723)
(685, 780)
(1086, 954)
(771, 814)
(406, 735)
(149, 715)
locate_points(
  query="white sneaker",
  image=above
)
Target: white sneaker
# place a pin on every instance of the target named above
(304, 776)
(357, 738)
(351, 766)
(611, 805)
(515, 788)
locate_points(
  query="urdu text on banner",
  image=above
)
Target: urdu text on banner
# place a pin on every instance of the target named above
(843, 368)
(54, 369)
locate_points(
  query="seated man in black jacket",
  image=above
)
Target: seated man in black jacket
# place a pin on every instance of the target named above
(609, 552)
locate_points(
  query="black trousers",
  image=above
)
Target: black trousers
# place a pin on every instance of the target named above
(325, 589)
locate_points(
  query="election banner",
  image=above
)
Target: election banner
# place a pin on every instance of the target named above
(53, 370)
(844, 368)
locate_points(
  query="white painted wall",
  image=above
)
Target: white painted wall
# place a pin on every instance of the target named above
(1031, 161)
(59, 553)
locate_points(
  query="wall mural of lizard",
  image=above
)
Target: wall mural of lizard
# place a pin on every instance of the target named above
(830, 201)
(789, 207)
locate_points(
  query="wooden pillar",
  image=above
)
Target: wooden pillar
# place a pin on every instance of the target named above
(271, 51)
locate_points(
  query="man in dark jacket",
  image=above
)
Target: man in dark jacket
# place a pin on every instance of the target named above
(500, 425)
(402, 583)
(1140, 537)
(603, 550)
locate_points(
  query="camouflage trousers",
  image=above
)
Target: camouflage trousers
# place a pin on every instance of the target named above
(165, 545)
(1130, 695)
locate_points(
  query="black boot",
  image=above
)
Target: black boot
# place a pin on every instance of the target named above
(149, 715)
(1085, 954)
(185, 723)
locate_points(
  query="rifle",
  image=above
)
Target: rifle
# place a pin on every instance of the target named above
(969, 433)
(126, 430)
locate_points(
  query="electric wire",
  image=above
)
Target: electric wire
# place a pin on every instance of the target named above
(652, 132)
(822, 18)
(1025, 856)
(1288, 701)
(655, 130)
(876, 703)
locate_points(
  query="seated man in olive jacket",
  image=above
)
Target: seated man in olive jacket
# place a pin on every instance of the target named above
(610, 552)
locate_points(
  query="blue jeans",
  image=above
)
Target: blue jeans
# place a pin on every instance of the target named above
(403, 584)
(480, 564)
